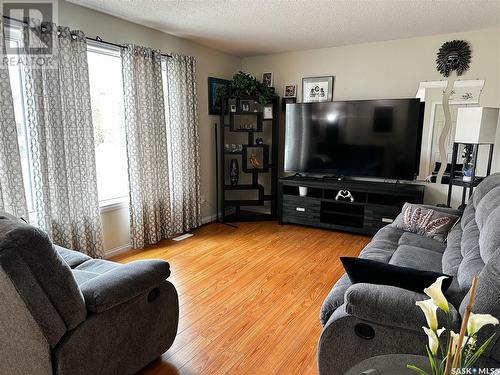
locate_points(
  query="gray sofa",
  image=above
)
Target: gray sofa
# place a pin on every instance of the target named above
(62, 312)
(365, 320)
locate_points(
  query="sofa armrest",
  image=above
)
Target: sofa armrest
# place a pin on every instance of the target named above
(392, 306)
(123, 283)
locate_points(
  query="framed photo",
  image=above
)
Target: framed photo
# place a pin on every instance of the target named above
(267, 79)
(245, 105)
(268, 112)
(290, 91)
(231, 103)
(317, 89)
(215, 85)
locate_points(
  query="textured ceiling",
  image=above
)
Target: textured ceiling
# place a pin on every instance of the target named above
(254, 27)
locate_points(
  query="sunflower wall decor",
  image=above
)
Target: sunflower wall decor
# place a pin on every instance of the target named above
(454, 55)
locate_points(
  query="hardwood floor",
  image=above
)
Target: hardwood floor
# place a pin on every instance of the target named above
(249, 297)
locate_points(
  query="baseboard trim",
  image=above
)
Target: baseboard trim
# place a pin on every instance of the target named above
(121, 249)
(117, 250)
(208, 219)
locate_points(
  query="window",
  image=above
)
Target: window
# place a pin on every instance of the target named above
(106, 91)
(13, 38)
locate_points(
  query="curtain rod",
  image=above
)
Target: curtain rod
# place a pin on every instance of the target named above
(96, 39)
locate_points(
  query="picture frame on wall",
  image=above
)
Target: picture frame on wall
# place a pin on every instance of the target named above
(268, 112)
(290, 91)
(245, 105)
(214, 85)
(317, 89)
(267, 79)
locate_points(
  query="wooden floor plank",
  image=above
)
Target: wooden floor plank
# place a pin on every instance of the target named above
(249, 297)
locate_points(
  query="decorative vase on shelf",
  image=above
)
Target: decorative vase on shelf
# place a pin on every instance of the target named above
(234, 172)
(467, 171)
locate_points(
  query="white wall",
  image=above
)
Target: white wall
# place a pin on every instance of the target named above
(210, 63)
(391, 69)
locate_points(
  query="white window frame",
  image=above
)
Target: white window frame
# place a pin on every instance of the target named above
(121, 202)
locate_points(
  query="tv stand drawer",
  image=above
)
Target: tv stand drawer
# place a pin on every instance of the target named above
(384, 215)
(302, 208)
(305, 202)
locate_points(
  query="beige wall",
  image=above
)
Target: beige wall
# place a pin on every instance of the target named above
(391, 69)
(210, 63)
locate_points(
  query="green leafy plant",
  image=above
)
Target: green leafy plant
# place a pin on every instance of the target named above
(449, 351)
(244, 84)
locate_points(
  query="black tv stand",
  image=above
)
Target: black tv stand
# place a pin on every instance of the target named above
(348, 205)
(338, 178)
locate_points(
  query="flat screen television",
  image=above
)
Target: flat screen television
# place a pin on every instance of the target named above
(359, 138)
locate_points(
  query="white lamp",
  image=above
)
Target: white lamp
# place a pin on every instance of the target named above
(476, 125)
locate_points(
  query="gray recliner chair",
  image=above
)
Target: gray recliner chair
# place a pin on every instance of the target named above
(365, 320)
(62, 312)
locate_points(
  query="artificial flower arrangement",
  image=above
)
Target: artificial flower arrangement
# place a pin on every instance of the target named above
(448, 350)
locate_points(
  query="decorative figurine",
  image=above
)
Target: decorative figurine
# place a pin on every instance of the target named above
(454, 55)
(234, 172)
(253, 160)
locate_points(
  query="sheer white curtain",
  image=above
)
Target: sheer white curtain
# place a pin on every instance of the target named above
(62, 152)
(12, 195)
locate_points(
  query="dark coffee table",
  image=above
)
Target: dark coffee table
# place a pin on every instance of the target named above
(390, 364)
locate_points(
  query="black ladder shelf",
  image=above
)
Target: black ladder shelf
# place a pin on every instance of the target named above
(254, 197)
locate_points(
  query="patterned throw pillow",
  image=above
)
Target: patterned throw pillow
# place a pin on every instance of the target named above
(426, 221)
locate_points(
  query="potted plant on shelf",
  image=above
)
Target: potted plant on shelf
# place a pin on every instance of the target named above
(450, 352)
(246, 86)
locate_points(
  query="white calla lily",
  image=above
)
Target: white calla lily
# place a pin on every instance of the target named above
(467, 340)
(436, 294)
(429, 309)
(478, 321)
(433, 338)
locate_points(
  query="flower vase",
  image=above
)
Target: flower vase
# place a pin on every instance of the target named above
(467, 171)
(234, 172)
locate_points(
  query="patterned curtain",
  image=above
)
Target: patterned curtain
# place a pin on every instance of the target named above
(183, 141)
(59, 119)
(150, 214)
(12, 195)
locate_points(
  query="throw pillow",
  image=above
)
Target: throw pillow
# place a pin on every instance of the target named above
(426, 221)
(370, 271)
